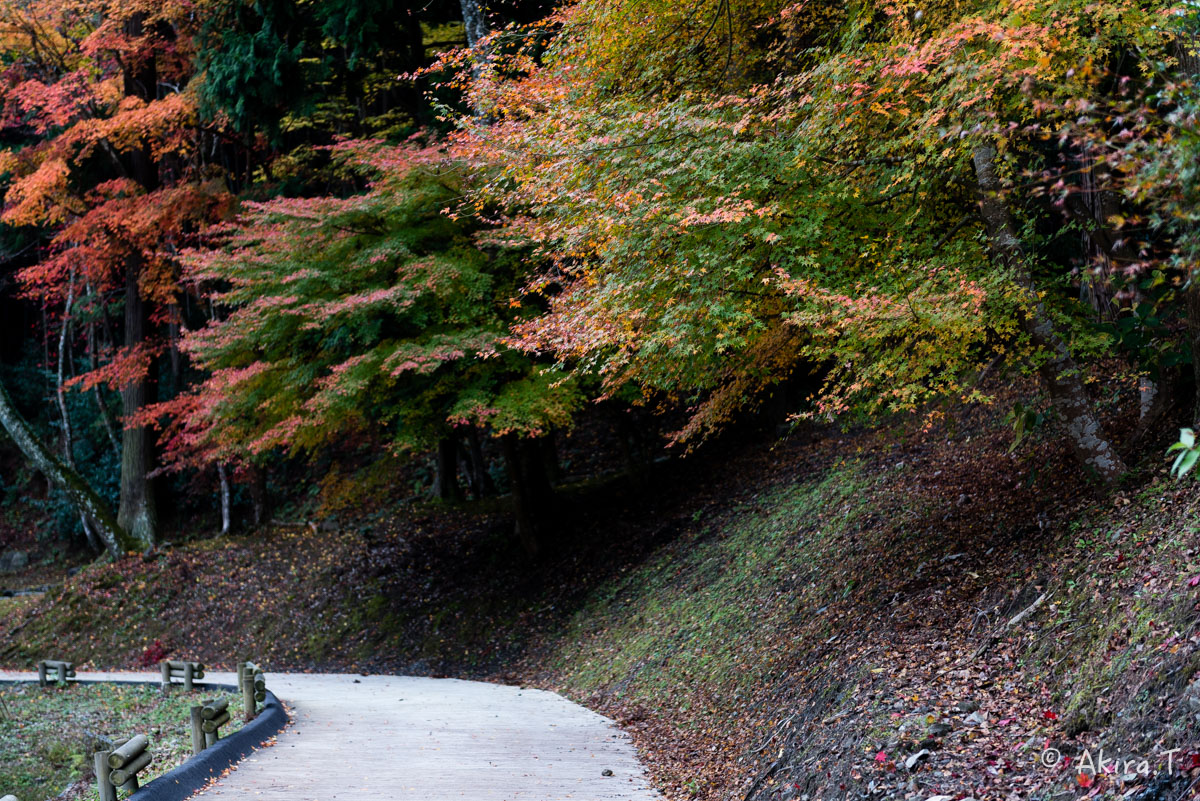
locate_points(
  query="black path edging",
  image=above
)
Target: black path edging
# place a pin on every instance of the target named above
(183, 781)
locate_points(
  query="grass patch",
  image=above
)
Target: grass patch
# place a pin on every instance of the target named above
(47, 735)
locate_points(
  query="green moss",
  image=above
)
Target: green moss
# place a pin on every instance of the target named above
(710, 611)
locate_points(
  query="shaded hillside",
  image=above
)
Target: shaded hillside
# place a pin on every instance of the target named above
(770, 621)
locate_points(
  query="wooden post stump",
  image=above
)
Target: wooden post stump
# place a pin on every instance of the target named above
(249, 702)
(166, 676)
(197, 731)
(105, 787)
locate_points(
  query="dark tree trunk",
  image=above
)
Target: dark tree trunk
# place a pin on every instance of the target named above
(445, 479)
(481, 480)
(260, 499)
(1188, 50)
(1192, 301)
(549, 448)
(138, 513)
(532, 495)
(1058, 370)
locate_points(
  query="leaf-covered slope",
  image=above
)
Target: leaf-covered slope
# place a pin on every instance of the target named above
(771, 621)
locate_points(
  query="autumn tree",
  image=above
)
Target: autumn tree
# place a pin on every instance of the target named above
(373, 317)
(114, 179)
(730, 195)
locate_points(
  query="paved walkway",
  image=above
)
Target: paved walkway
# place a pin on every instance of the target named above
(403, 738)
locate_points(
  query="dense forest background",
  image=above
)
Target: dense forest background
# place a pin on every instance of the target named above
(255, 246)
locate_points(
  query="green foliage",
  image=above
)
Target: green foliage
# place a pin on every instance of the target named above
(373, 316)
(250, 56)
(1188, 453)
(304, 71)
(1024, 421)
(805, 201)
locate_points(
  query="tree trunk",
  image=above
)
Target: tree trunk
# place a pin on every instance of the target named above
(260, 500)
(481, 480)
(68, 437)
(223, 478)
(532, 495)
(1059, 372)
(1191, 298)
(1187, 48)
(445, 479)
(84, 498)
(474, 21)
(138, 513)
(105, 415)
(548, 445)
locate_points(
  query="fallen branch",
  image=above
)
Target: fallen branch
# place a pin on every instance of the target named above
(1012, 621)
(1027, 611)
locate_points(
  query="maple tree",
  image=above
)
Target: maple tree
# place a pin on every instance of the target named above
(842, 195)
(112, 175)
(371, 316)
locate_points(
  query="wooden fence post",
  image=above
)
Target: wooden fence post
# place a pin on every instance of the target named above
(107, 791)
(248, 701)
(188, 672)
(42, 673)
(166, 676)
(197, 731)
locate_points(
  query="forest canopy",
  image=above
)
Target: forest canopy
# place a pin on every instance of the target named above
(265, 233)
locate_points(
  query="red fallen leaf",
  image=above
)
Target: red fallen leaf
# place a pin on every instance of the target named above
(1048, 715)
(1084, 779)
(1004, 722)
(881, 757)
(1193, 581)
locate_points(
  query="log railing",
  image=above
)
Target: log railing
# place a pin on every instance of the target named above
(188, 671)
(206, 720)
(61, 669)
(253, 683)
(118, 762)
(119, 768)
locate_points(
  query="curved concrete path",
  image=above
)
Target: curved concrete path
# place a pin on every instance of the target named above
(404, 738)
